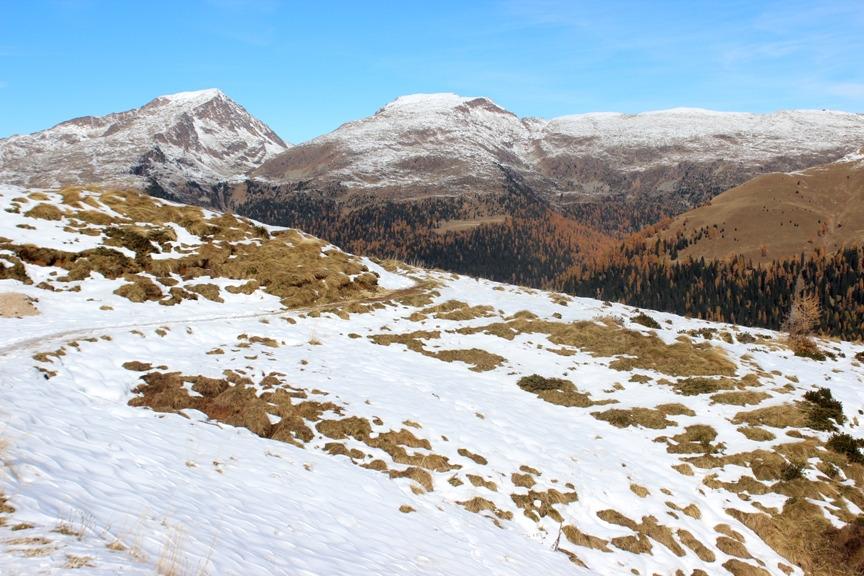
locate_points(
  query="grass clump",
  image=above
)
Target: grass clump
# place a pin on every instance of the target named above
(845, 444)
(607, 338)
(45, 212)
(556, 391)
(654, 418)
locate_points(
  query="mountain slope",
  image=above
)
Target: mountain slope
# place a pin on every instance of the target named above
(181, 143)
(779, 216)
(462, 184)
(200, 394)
(740, 257)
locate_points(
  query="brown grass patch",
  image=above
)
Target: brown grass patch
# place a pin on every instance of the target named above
(479, 504)
(481, 482)
(73, 561)
(608, 338)
(472, 456)
(288, 264)
(801, 533)
(756, 433)
(640, 491)
(783, 416)
(740, 398)
(480, 360)
(522, 480)
(579, 538)
(557, 391)
(453, 310)
(739, 568)
(45, 212)
(696, 439)
(654, 418)
(694, 544)
(136, 366)
(539, 504)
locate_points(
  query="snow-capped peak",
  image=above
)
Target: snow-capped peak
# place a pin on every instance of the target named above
(201, 136)
(438, 102)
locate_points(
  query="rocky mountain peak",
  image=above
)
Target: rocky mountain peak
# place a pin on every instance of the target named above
(174, 141)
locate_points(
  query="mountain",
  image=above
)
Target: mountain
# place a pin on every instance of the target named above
(180, 145)
(779, 215)
(742, 257)
(444, 180)
(463, 184)
(433, 145)
(188, 392)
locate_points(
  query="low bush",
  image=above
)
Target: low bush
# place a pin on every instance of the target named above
(792, 471)
(845, 444)
(646, 320)
(824, 412)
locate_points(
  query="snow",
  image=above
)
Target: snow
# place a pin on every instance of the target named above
(459, 136)
(204, 135)
(224, 501)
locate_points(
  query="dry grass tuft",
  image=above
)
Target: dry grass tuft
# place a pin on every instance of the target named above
(654, 418)
(782, 416)
(472, 456)
(608, 338)
(45, 212)
(579, 538)
(694, 544)
(740, 398)
(480, 360)
(557, 391)
(640, 491)
(453, 310)
(536, 504)
(73, 561)
(756, 433)
(479, 504)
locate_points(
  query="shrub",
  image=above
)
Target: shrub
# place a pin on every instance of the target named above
(746, 338)
(822, 409)
(860, 356)
(843, 443)
(804, 347)
(646, 320)
(792, 471)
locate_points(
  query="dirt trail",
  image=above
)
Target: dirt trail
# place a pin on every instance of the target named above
(39, 341)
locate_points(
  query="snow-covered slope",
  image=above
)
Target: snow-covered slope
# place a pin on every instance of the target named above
(197, 394)
(200, 137)
(432, 144)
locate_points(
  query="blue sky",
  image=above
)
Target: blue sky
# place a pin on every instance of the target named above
(306, 67)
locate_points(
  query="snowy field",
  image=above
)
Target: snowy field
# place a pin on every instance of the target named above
(390, 432)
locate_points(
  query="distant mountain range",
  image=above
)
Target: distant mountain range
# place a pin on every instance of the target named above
(449, 181)
(443, 144)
